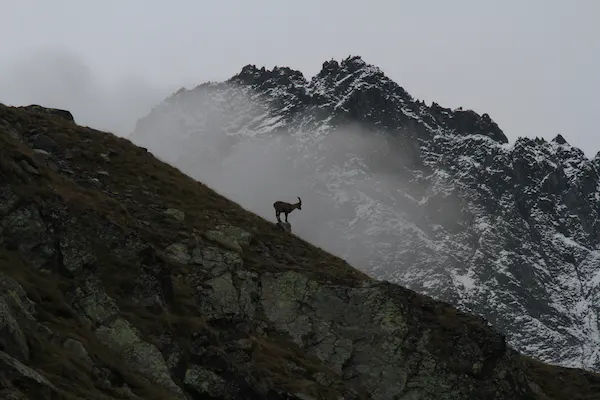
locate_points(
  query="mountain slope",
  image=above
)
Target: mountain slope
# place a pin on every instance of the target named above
(432, 198)
(123, 278)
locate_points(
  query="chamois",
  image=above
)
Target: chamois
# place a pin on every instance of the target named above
(286, 208)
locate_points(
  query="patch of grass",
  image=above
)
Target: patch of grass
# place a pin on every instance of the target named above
(560, 383)
(281, 363)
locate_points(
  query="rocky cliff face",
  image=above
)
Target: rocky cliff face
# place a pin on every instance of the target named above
(123, 278)
(431, 198)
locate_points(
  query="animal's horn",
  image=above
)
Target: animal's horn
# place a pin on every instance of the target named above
(299, 201)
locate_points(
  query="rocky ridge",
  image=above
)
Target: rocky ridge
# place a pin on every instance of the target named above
(122, 278)
(425, 196)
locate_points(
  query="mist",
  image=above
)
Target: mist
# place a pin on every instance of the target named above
(57, 78)
(350, 179)
(258, 172)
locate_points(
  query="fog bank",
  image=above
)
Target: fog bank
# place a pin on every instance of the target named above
(58, 78)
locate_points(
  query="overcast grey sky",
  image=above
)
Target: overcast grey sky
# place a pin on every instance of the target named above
(531, 64)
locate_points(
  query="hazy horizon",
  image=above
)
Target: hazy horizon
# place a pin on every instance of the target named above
(531, 67)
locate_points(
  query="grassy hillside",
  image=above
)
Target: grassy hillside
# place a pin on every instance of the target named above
(121, 277)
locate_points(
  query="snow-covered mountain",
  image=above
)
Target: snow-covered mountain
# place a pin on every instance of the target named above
(432, 198)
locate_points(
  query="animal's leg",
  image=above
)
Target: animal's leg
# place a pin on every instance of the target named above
(286, 214)
(277, 213)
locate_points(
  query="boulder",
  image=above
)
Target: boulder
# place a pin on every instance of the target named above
(284, 226)
(229, 237)
(77, 349)
(175, 213)
(16, 371)
(207, 383)
(46, 143)
(57, 112)
(124, 338)
(15, 306)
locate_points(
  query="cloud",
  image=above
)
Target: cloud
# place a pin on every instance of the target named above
(59, 78)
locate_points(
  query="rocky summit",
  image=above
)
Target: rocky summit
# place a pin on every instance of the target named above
(123, 278)
(421, 195)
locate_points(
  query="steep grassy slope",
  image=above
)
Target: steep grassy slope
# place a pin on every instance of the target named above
(121, 277)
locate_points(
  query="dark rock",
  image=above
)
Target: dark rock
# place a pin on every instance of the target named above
(29, 168)
(45, 143)
(206, 383)
(41, 152)
(8, 199)
(16, 371)
(25, 230)
(12, 394)
(175, 213)
(15, 306)
(78, 350)
(76, 250)
(284, 226)
(64, 114)
(559, 139)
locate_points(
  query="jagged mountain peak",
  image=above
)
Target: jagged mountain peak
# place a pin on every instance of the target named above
(364, 92)
(251, 75)
(356, 62)
(451, 209)
(360, 90)
(348, 66)
(559, 139)
(354, 90)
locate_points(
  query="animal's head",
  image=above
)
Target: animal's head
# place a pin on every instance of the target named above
(299, 204)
